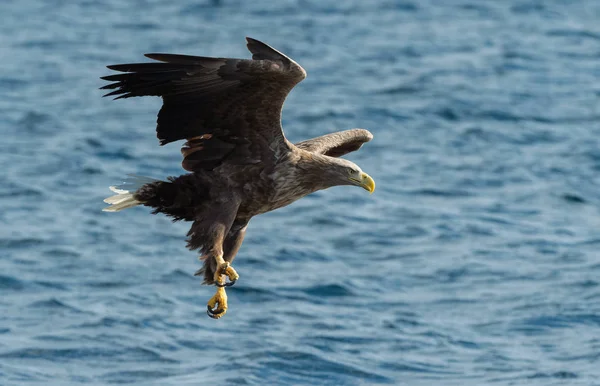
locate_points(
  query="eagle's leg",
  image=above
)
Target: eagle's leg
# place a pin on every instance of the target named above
(231, 245)
(226, 269)
(214, 268)
(212, 233)
(217, 305)
(219, 300)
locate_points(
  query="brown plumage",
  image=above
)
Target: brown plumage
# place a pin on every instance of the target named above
(241, 164)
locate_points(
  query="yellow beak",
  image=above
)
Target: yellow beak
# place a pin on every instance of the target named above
(366, 182)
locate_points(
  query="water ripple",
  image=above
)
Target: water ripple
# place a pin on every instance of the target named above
(475, 262)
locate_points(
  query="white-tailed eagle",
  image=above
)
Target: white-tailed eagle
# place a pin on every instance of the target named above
(240, 163)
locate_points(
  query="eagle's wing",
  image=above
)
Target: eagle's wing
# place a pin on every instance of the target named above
(337, 144)
(227, 109)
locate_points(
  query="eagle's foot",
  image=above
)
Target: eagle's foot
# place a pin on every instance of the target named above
(219, 300)
(226, 269)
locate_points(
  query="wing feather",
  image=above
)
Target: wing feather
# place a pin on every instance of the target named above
(337, 144)
(224, 98)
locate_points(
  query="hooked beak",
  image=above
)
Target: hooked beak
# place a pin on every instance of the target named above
(365, 182)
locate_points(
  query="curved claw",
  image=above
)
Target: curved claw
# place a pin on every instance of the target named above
(216, 314)
(217, 305)
(228, 284)
(227, 270)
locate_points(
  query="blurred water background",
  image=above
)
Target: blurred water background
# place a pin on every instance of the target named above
(475, 262)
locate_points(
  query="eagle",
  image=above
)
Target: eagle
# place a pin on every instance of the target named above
(240, 163)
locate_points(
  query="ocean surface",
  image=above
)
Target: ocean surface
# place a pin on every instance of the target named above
(476, 261)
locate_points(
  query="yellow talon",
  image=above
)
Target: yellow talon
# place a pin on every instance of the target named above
(225, 269)
(219, 300)
(231, 273)
(217, 305)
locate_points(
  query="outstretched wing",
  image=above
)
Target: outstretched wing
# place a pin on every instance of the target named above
(337, 144)
(227, 109)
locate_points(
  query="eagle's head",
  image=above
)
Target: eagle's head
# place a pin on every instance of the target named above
(349, 173)
(332, 171)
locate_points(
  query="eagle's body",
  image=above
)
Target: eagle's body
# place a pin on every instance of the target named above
(241, 164)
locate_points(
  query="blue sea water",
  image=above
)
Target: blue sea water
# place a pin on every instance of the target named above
(476, 261)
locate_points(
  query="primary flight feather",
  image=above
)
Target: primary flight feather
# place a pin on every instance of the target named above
(240, 163)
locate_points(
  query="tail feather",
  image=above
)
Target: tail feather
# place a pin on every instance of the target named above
(125, 197)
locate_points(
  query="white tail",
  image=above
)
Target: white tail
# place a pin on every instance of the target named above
(124, 198)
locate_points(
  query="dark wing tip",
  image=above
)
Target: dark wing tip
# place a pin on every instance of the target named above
(171, 58)
(155, 56)
(250, 40)
(262, 51)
